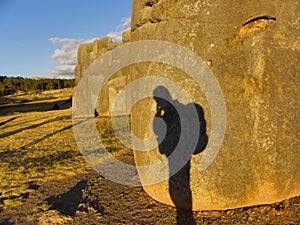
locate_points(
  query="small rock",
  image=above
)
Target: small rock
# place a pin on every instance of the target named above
(53, 217)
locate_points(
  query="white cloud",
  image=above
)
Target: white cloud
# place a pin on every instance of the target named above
(66, 55)
(117, 35)
(126, 22)
(64, 70)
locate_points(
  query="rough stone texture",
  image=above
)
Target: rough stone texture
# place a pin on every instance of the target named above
(126, 36)
(87, 54)
(252, 47)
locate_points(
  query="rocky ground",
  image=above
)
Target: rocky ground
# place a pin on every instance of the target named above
(45, 180)
(90, 199)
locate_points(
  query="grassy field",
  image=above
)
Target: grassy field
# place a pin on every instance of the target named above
(39, 147)
(36, 147)
(23, 97)
(45, 179)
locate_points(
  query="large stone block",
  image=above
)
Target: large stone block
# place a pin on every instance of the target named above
(87, 54)
(252, 48)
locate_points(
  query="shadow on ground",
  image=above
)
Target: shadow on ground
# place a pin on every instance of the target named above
(35, 107)
(7, 134)
(7, 221)
(67, 203)
(9, 120)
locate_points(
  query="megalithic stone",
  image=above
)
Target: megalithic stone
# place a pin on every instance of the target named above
(252, 48)
(88, 53)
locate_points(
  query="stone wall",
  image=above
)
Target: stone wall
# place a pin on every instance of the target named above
(87, 54)
(253, 50)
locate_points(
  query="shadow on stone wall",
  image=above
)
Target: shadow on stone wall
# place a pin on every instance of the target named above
(179, 183)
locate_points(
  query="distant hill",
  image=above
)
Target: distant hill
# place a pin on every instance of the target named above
(11, 85)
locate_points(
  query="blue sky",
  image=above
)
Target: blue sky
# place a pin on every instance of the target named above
(40, 37)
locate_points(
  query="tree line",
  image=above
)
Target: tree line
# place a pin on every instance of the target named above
(11, 85)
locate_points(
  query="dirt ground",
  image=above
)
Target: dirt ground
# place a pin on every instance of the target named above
(45, 180)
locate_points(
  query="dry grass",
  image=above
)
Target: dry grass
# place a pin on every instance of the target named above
(39, 147)
(36, 147)
(23, 97)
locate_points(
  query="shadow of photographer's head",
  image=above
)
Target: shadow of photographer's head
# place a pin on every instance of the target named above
(163, 99)
(181, 122)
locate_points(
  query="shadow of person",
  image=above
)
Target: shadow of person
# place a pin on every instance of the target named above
(178, 122)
